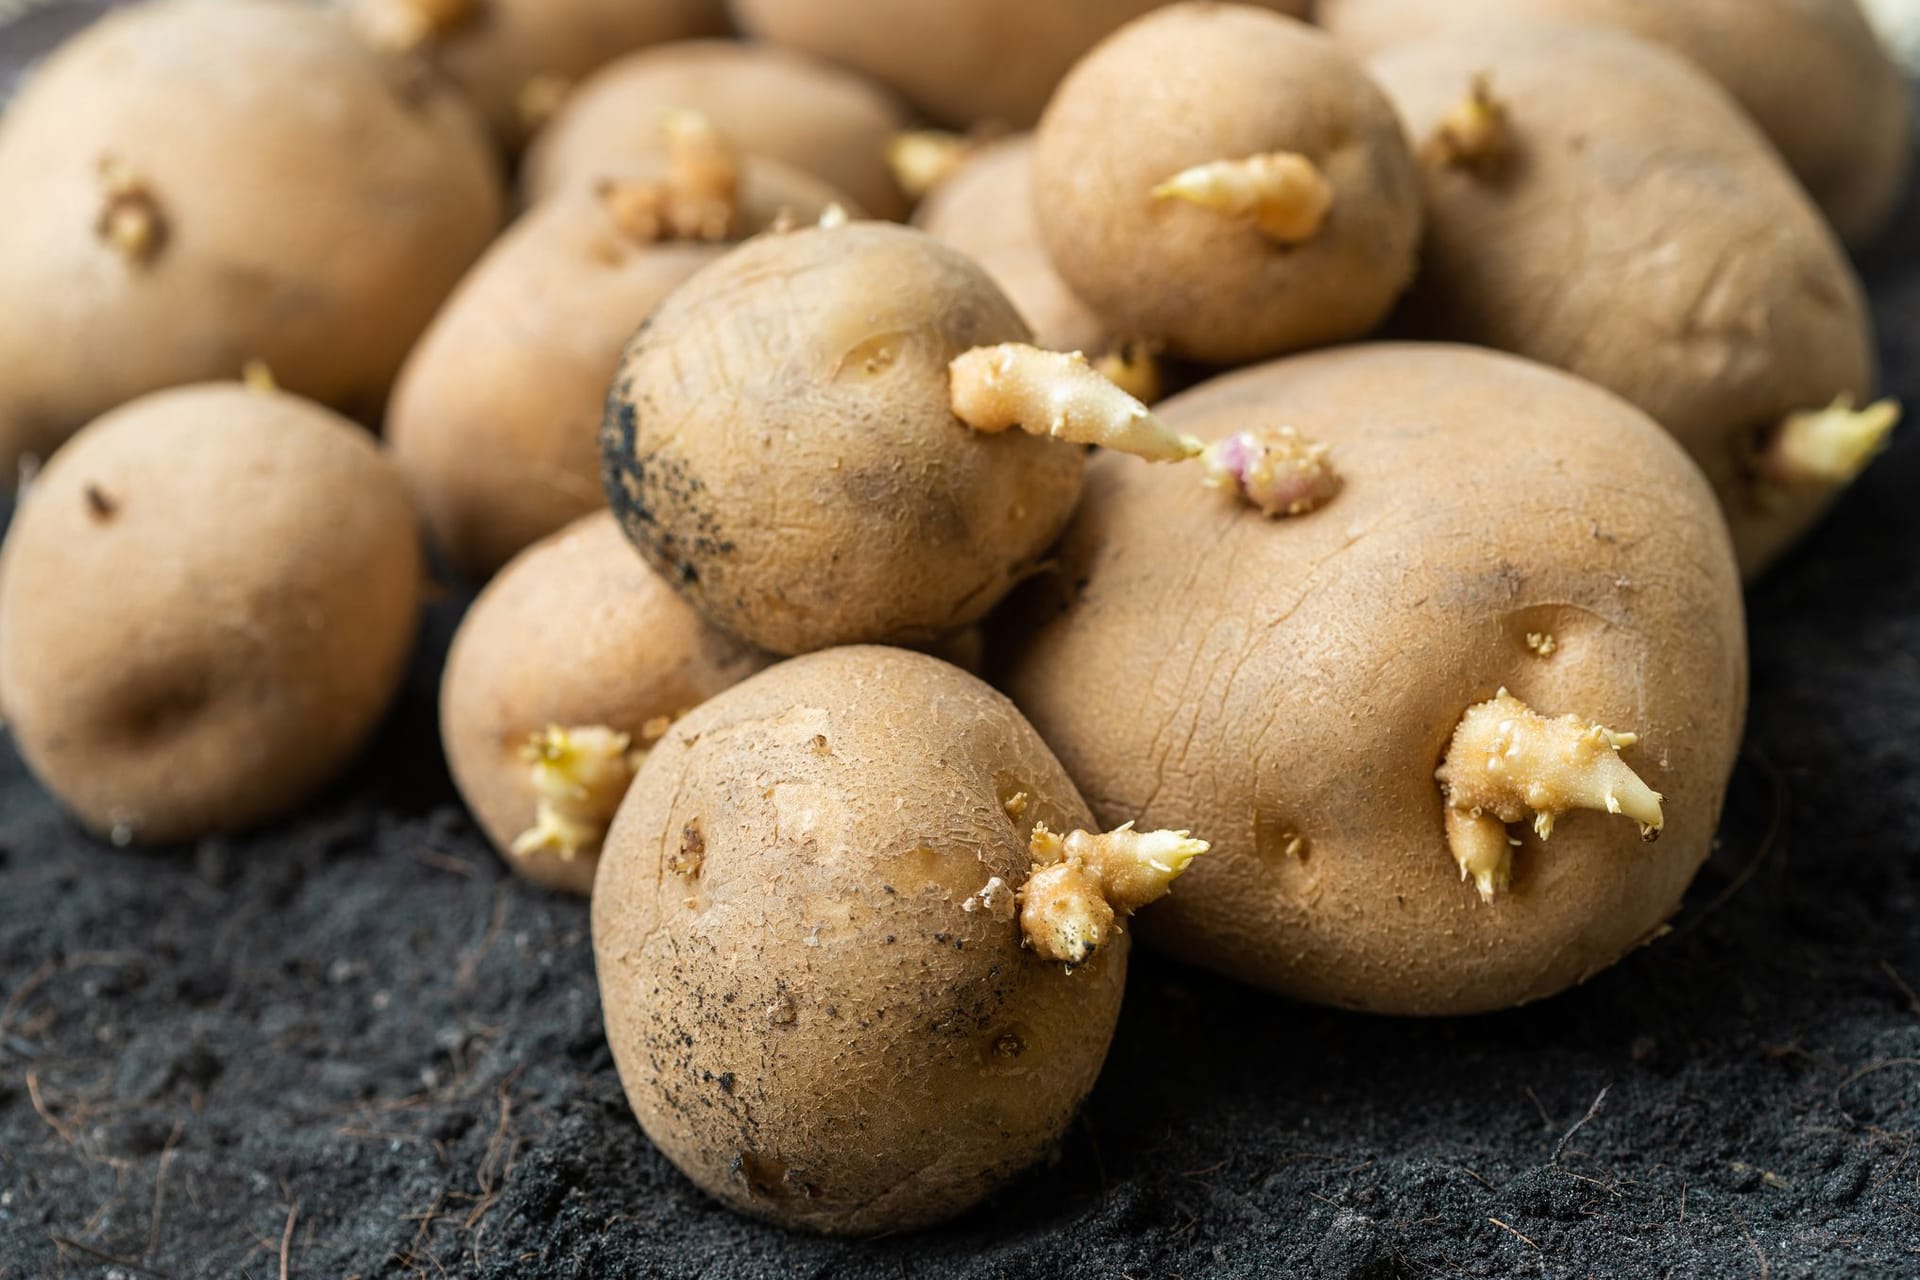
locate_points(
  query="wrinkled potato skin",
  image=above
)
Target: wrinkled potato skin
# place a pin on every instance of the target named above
(576, 631)
(811, 1027)
(963, 62)
(1810, 72)
(767, 102)
(1650, 242)
(779, 444)
(318, 205)
(496, 416)
(1254, 680)
(1192, 85)
(207, 601)
(985, 210)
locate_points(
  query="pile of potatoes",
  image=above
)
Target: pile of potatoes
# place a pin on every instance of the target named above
(1409, 673)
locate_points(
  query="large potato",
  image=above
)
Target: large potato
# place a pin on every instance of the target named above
(1289, 688)
(813, 981)
(1809, 72)
(194, 184)
(769, 102)
(579, 636)
(1630, 225)
(207, 600)
(962, 61)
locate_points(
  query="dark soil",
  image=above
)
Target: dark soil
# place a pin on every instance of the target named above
(352, 1046)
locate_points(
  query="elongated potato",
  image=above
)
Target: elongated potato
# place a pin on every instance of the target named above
(194, 184)
(1598, 204)
(1809, 72)
(1320, 694)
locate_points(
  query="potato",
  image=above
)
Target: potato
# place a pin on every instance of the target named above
(1190, 204)
(771, 102)
(1289, 688)
(1809, 72)
(516, 58)
(496, 416)
(1650, 241)
(810, 961)
(961, 61)
(207, 600)
(194, 184)
(568, 667)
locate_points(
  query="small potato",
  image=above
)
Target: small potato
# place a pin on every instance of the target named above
(963, 62)
(496, 416)
(194, 184)
(568, 667)
(1323, 695)
(1598, 204)
(516, 58)
(1191, 204)
(1809, 72)
(769, 102)
(809, 930)
(207, 600)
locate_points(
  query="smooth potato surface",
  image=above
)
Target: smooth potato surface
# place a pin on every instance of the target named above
(807, 1019)
(207, 601)
(1266, 682)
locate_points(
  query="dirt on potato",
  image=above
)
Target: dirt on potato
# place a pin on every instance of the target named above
(355, 1046)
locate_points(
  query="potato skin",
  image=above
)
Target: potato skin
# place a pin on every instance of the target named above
(1810, 72)
(779, 444)
(496, 416)
(768, 102)
(1257, 680)
(1649, 241)
(963, 62)
(985, 210)
(207, 601)
(576, 631)
(809, 1024)
(317, 204)
(1190, 85)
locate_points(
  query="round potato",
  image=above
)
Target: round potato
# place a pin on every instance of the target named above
(769, 102)
(809, 931)
(963, 62)
(567, 668)
(496, 416)
(207, 600)
(516, 58)
(1809, 72)
(1291, 688)
(195, 184)
(1598, 204)
(1191, 205)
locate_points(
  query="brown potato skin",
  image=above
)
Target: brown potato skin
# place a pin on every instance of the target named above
(1811, 73)
(207, 601)
(963, 62)
(1189, 85)
(768, 102)
(1649, 241)
(318, 202)
(811, 1027)
(1256, 679)
(985, 210)
(576, 631)
(496, 416)
(779, 444)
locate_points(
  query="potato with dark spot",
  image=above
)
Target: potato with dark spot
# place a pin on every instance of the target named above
(1596, 203)
(194, 184)
(1429, 726)
(207, 600)
(1228, 183)
(827, 930)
